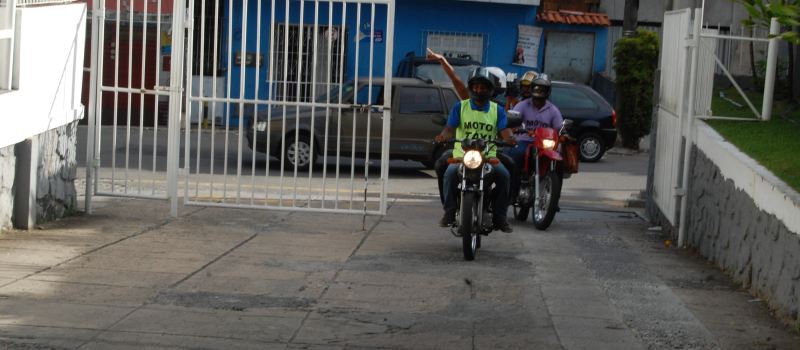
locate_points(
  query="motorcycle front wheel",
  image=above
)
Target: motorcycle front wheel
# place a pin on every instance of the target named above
(469, 238)
(521, 212)
(549, 193)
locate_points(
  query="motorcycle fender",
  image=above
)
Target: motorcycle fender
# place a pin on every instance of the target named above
(551, 154)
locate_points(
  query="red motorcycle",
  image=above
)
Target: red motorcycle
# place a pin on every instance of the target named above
(542, 175)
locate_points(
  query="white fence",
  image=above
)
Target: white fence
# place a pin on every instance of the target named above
(47, 75)
(301, 152)
(22, 3)
(7, 34)
(674, 66)
(7, 16)
(686, 96)
(735, 54)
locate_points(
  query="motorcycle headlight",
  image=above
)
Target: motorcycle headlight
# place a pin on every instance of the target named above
(549, 144)
(261, 126)
(473, 159)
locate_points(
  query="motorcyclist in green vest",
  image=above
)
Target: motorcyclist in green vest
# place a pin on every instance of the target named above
(477, 116)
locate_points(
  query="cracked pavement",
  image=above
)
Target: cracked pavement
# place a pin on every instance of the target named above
(131, 277)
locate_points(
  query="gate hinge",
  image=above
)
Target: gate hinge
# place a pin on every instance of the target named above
(680, 191)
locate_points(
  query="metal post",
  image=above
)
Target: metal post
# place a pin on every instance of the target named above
(387, 104)
(175, 91)
(769, 76)
(630, 18)
(98, 19)
(689, 130)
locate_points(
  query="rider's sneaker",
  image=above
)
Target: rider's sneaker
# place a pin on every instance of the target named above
(449, 219)
(503, 226)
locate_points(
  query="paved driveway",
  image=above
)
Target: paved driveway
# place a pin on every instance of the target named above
(131, 277)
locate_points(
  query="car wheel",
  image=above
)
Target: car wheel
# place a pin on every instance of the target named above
(591, 147)
(300, 151)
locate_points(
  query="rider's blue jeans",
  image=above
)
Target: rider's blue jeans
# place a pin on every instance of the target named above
(501, 181)
(518, 153)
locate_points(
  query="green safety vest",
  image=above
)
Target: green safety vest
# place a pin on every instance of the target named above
(476, 125)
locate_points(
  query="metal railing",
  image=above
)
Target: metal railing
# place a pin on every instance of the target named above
(24, 3)
(7, 10)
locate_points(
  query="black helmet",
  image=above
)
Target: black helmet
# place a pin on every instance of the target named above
(512, 90)
(482, 75)
(540, 88)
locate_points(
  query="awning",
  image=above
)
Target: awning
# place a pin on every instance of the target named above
(574, 17)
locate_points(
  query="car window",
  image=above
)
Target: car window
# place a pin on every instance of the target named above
(363, 96)
(431, 71)
(420, 100)
(571, 98)
(333, 93)
(435, 72)
(450, 99)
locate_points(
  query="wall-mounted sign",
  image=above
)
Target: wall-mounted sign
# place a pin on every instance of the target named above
(249, 59)
(527, 52)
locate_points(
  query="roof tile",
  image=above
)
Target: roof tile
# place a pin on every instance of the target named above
(574, 17)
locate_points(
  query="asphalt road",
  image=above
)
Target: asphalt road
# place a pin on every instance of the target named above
(130, 276)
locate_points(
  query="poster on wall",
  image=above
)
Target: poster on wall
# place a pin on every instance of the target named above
(527, 52)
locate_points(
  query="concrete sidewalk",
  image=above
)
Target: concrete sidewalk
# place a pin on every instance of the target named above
(131, 277)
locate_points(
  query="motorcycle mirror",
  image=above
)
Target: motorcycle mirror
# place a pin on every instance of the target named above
(568, 123)
(439, 120)
(514, 119)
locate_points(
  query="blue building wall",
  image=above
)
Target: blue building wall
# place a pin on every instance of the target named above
(378, 49)
(498, 23)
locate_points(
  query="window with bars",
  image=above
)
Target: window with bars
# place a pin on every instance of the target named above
(299, 84)
(455, 44)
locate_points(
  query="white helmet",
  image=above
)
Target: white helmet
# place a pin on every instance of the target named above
(501, 82)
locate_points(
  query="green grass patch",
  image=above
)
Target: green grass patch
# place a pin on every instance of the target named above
(773, 144)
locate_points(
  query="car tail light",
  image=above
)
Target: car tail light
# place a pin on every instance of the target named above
(613, 118)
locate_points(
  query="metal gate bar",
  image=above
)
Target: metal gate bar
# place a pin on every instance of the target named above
(126, 175)
(118, 157)
(274, 190)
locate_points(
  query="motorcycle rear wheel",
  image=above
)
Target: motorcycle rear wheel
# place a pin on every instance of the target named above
(549, 193)
(469, 238)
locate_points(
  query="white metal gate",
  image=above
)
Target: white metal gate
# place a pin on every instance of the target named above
(280, 104)
(672, 90)
(688, 64)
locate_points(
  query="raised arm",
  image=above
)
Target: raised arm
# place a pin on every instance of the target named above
(461, 88)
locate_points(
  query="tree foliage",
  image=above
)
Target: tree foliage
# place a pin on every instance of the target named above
(635, 62)
(786, 11)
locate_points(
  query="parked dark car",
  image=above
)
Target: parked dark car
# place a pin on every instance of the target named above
(414, 103)
(594, 120)
(413, 66)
